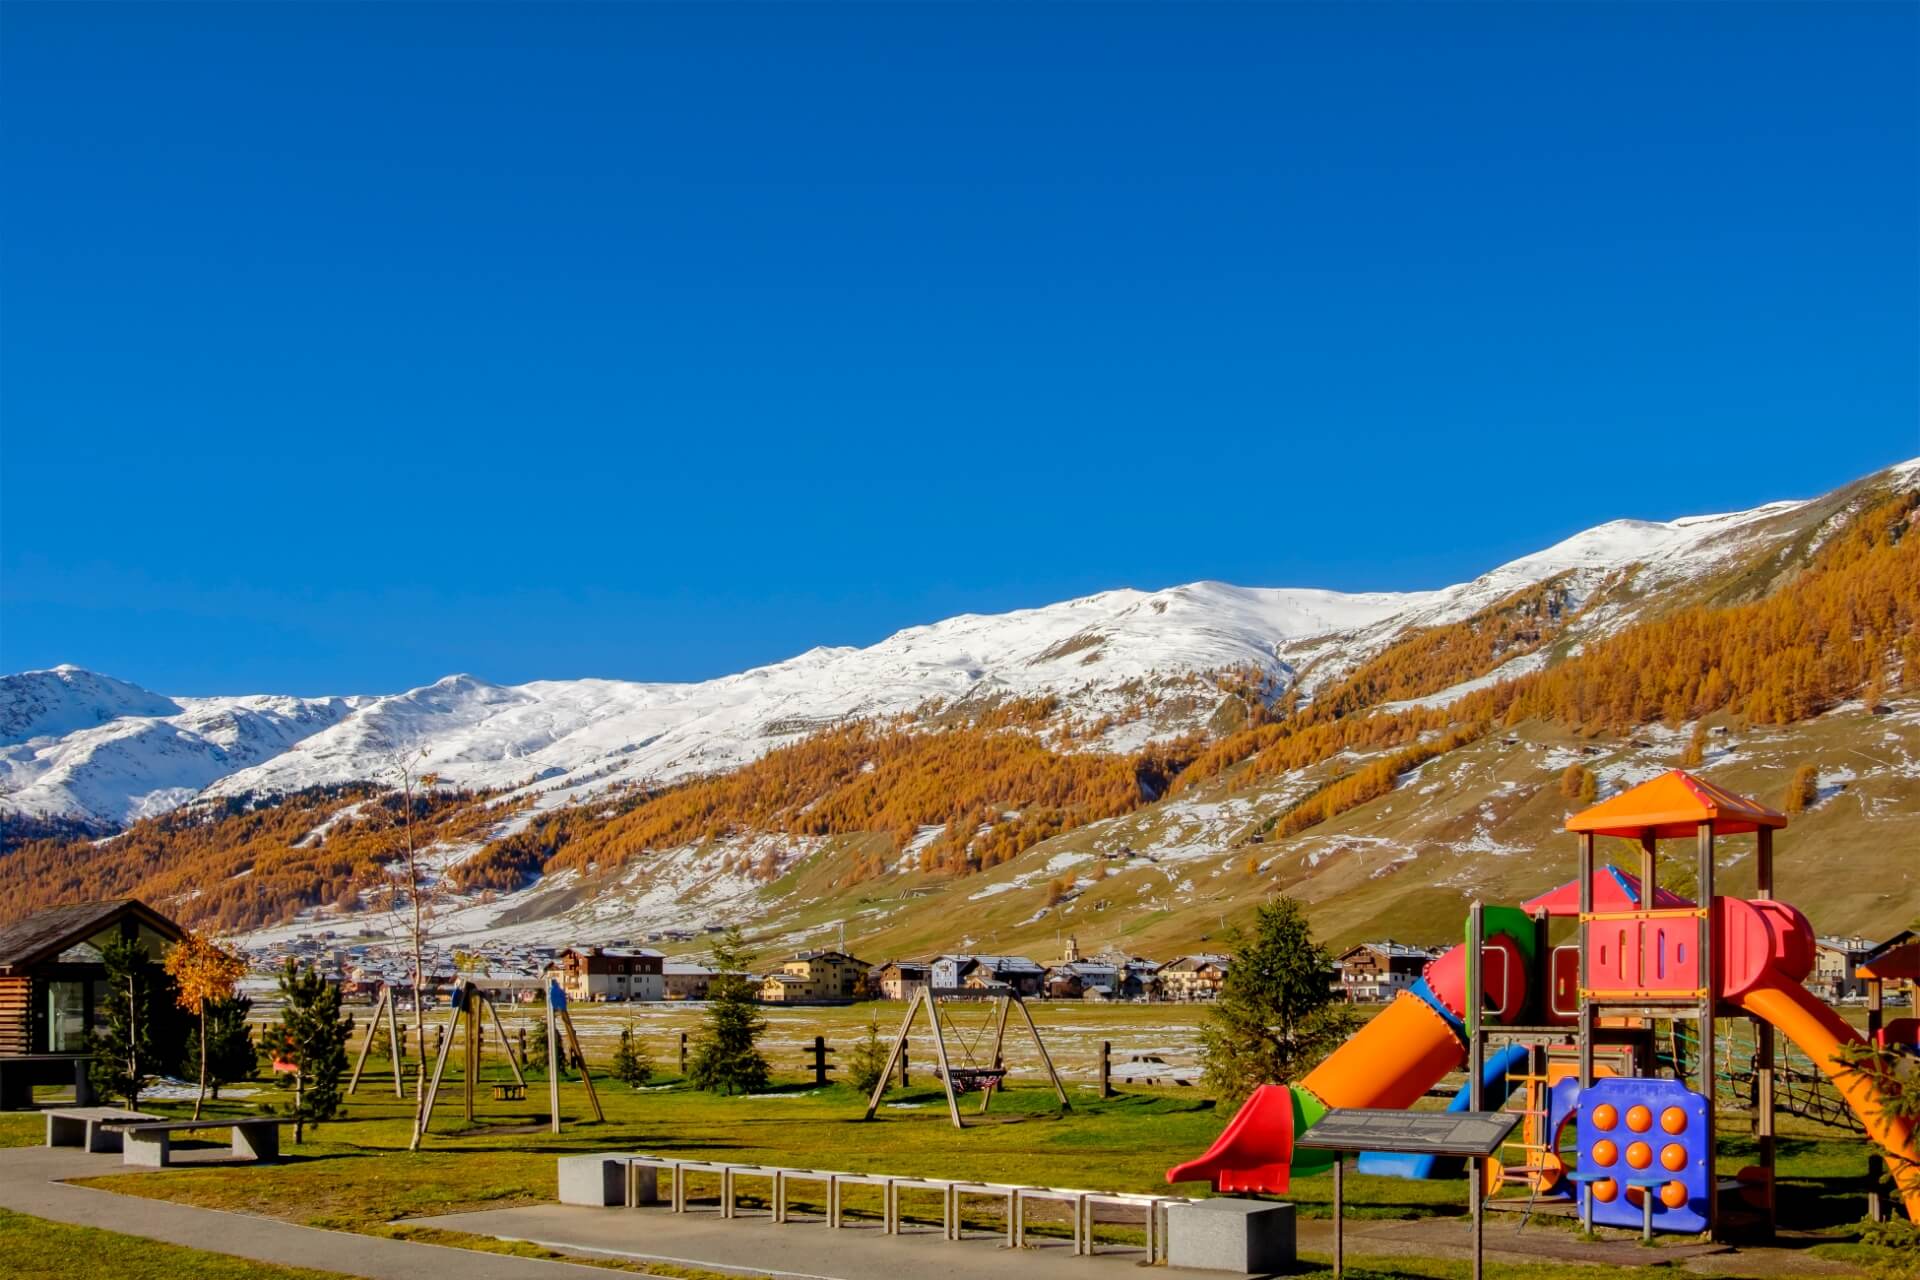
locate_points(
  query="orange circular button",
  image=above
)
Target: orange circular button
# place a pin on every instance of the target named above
(1639, 1155)
(1605, 1117)
(1674, 1120)
(1605, 1153)
(1674, 1195)
(1639, 1119)
(1636, 1196)
(1605, 1190)
(1673, 1157)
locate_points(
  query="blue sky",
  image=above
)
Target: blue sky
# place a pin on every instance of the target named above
(344, 347)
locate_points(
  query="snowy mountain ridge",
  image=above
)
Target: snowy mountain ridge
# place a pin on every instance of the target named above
(76, 744)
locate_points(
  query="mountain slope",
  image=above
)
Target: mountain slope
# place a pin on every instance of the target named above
(76, 744)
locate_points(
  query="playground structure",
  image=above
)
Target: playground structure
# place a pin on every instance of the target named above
(973, 1077)
(467, 1005)
(1572, 1033)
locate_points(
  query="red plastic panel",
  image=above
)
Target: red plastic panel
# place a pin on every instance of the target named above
(1655, 953)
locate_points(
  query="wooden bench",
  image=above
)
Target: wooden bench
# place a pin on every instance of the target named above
(509, 1093)
(86, 1127)
(150, 1143)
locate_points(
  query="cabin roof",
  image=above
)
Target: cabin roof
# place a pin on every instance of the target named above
(45, 934)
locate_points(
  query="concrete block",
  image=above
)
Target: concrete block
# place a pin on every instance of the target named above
(593, 1180)
(1223, 1234)
(153, 1150)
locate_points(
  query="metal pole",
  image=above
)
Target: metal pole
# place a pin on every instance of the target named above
(1339, 1200)
(1586, 975)
(1707, 982)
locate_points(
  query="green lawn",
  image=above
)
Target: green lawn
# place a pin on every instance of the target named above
(355, 1173)
(36, 1249)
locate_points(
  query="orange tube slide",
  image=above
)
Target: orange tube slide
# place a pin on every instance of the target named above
(1819, 1032)
(1390, 1062)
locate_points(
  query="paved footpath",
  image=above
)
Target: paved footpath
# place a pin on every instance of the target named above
(27, 1185)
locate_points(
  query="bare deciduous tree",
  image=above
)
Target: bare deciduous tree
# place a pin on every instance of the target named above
(411, 891)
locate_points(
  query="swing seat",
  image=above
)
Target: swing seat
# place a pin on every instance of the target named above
(974, 1079)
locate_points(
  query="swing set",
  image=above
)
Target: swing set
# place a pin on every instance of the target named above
(975, 1076)
(468, 1003)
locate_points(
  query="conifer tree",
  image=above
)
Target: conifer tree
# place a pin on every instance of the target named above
(313, 1040)
(725, 1058)
(631, 1065)
(868, 1060)
(127, 1040)
(1277, 1014)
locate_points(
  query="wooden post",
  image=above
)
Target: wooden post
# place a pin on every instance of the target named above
(445, 1043)
(470, 1007)
(820, 1067)
(1106, 1068)
(898, 1052)
(1649, 869)
(586, 1076)
(397, 1039)
(683, 1055)
(1000, 1031)
(553, 1061)
(905, 1052)
(366, 1046)
(946, 1067)
(1046, 1059)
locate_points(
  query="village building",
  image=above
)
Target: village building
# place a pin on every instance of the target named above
(813, 977)
(52, 984)
(684, 980)
(1376, 971)
(1084, 980)
(899, 979)
(1834, 962)
(986, 973)
(1195, 977)
(605, 973)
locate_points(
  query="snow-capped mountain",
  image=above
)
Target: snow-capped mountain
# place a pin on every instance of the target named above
(77, 744)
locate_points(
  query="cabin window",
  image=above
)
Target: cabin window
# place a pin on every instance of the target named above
(66, 1017)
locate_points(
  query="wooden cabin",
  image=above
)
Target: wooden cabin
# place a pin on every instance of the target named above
(51, 976)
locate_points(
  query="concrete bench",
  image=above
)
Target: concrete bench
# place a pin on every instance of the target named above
(85, 1127)
(19, 1072)
(149, 1144)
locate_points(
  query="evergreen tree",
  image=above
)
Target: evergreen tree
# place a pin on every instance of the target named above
(868, 1060)
(231, 1057)
(313, 1040)
(725, 1059)
(631, 1065)
(1278, 1013)
(131, 1039)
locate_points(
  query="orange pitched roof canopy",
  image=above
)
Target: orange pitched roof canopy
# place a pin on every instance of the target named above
(1896, 964)
(1673, 806)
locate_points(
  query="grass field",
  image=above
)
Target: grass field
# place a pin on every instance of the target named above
(355, 1174)
(36, 1249)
